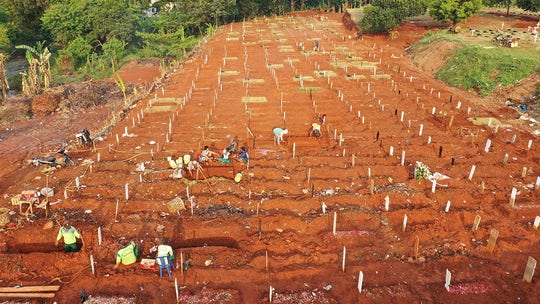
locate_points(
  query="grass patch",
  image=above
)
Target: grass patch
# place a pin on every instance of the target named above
(308, 89)
(481, 70)
(254, 99)
(159, 109)
(481, 66)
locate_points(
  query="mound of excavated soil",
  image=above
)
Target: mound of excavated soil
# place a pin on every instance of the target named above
(432, 58)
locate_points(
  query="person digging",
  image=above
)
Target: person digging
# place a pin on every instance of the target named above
(127, 255)
(70, 235)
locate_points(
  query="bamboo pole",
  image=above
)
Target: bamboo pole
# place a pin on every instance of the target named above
(32, 295)
(38, 288)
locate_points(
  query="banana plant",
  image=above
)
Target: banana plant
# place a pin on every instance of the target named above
(121, 85)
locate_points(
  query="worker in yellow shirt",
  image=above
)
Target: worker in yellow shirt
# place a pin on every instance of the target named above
(127, 255)
(70, 235)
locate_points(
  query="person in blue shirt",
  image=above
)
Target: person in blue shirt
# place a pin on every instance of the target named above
(243, 155)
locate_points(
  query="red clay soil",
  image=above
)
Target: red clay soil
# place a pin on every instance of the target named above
(269, 230)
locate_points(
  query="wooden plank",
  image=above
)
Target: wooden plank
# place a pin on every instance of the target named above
(27, 295)
(30, 288)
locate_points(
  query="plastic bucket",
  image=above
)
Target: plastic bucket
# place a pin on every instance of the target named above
(238, 177)
(47, 192)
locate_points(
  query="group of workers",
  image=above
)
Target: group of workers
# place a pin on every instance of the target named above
(130, 252)
(126, 255)
(208, 155)
(314, 130)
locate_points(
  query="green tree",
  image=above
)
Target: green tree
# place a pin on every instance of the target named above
(67, 20)
(5, 42)
(500, 3)
(114, 19)
(98, 20)
(529, 5)
(386, 15)
(76, 52)
(167, 44)
(378, 20)
(114, 51)
(454, 10)
(25, 17)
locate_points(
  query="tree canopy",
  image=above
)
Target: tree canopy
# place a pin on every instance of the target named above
(454, 11)
(383, 16)
(529, 5)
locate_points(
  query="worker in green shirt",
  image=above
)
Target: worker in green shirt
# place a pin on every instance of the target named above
(70, 235)
(127, 255)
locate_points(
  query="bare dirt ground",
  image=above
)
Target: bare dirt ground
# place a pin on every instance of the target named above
(269, 230)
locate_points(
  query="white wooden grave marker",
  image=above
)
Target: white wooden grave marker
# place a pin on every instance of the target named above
(447, 207)
(360, 281)
(335, 222)
(471, 173)
(448, 279)
(488, 144)
(494, 234)
(404, 222)
(536, 222)
(387, 203)
(529, 270)
(476, 223)
(127, 192)
(343, 260)
(513, 196)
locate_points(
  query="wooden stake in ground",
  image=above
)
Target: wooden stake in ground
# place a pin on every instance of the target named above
(536, 223)
(92, 264)
(471, 173)
(360, 281)
(476, 223)
(116, 212)
(176, 289)
(494, 234)
(447, 280)
(529, 270)
(99, 235)
(181, 262)
(335, 223)
(343, 260)
(513, 196)
(266, 261)
(416, 245)
(404, 222)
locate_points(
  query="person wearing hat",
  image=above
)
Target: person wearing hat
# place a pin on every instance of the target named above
(70, 235)
(278, 134)
(165, 250)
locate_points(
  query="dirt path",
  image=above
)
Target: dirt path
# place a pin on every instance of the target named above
(269, 229)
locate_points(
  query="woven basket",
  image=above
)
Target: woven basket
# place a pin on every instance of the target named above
(176, 205)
